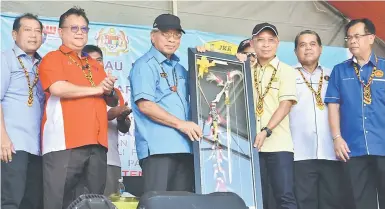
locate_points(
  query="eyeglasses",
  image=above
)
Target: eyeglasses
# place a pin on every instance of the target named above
(357, 37)
(250, 54)
(76, 28)
(168, 35)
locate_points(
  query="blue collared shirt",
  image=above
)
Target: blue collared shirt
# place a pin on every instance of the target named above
(148, 81)
(362, 125)
(21, 121)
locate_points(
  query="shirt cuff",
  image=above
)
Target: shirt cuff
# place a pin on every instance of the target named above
(145, 96)
(288, 98)
(332, 100)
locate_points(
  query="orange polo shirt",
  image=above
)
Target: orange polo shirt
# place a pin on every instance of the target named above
(71, 123)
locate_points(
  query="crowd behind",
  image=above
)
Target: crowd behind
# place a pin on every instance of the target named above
(320, 132)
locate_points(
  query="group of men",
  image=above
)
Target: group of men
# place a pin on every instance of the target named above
(316, 128)
(319, 131)
(68, 104)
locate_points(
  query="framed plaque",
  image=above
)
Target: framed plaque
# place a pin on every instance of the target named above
(222, 105)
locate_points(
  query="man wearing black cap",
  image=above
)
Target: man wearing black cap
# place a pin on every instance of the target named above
(160, 103)
(274, 94)
(246, 49)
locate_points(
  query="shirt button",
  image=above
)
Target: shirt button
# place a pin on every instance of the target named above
(365, 118)
(366, 131)
(364, 105)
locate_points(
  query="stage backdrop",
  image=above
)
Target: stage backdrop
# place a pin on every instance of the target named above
(123, 44)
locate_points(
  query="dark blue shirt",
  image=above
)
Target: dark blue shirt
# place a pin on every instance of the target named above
(362, 125)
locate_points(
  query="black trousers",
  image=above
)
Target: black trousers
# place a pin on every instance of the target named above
(22, 182)
(277, 170)
(318, 184)
(64, 171)
(366, 176)
(168, 172)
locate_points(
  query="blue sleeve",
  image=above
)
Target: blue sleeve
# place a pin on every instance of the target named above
(333, 90)
(5, 75)
(143, 82)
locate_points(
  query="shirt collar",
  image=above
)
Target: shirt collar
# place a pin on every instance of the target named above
(372, 59)
(67, 50)
(299, 66)
(161, 58)
(19, 52)
(274, 62)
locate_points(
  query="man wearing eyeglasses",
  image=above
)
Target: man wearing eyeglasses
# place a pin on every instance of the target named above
(21, 107)
(160, 103)
(356, 101)
(74, 127)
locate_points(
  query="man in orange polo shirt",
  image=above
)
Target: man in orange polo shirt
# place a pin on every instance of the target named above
(74, 127)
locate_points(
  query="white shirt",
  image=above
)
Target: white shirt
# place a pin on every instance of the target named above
(113, 157)
(308, 124)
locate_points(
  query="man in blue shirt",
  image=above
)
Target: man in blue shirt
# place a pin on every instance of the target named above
(22, 100)
(356, 101)
(160, 103)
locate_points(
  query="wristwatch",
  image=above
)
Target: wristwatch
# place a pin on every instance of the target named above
(112, 93)
(268, 131)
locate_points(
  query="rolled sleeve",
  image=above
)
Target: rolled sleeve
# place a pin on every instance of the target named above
(143, 82)
(333, 90)
(287, 88)
(51, 70)
(5, 75)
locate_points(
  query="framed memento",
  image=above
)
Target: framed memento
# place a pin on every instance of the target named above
(222, 105)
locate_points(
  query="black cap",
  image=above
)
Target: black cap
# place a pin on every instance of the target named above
(167, 22)
(243, 45)
(264, 26)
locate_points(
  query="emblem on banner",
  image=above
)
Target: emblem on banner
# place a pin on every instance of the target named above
(222, 47)
(112, 43)
(50, 32)
(379, 73)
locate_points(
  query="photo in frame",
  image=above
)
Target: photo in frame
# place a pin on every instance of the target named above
(222, 105)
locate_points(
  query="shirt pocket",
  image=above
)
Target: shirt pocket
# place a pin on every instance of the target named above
(378, 89)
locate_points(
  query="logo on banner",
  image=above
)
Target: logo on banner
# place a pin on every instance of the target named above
(222, 47)
(51, 30)
(111, 42)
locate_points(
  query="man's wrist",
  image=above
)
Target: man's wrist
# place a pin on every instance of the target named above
(112, 93)
(337, 136)
(267, 130)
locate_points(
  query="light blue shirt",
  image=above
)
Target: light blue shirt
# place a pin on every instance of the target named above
(21, 121)
(362, 125)
(148, 81)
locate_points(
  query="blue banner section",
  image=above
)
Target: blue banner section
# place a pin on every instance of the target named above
(123, 44)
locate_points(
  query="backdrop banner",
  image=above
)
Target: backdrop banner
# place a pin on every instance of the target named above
(123, 44)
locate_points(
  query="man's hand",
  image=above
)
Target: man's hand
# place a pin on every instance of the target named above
(341, 149)
(259, 139)
(6, 148)
(241, 57)
(201, 49)
(191, 129)
(108, 83)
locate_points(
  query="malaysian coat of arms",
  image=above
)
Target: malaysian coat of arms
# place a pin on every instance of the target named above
(111, 42)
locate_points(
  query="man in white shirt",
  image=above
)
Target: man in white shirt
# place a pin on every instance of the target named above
(117, 121)
(317, 172)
